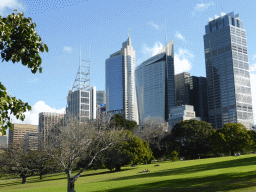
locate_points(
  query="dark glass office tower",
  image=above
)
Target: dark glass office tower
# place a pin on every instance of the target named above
(227, 71)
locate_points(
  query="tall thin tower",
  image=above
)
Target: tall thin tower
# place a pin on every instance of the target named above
(78, 100)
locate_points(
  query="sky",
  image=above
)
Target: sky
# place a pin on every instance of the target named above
(102, 26)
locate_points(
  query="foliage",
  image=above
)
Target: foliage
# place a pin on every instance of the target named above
(193, 137)
(218, 143)
(252, 134)
(237, 137)
(18, 42)
(121, 122)
(174, 156)
(128, 150)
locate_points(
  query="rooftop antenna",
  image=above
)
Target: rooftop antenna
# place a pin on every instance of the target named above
(222, 9)
(82, 80)
(129, 33)
(165, 32)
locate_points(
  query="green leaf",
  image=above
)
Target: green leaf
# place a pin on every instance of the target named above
(45, 47)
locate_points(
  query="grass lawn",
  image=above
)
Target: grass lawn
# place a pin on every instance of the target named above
(215, 174)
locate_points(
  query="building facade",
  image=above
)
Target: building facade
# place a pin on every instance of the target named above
(100, 97)
(120, 83)
(78, 104)
(3, 141)
(16, 136)
(192, 90)
(182, 113)
(47, 122)
(227, 71)
(155, 84)
(31, 141)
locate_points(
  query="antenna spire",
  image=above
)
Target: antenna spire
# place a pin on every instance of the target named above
(129, 33)
(165, 32)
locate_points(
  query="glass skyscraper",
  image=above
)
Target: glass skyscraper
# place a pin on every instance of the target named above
(120, 83)
(155, 84)
(227, 71)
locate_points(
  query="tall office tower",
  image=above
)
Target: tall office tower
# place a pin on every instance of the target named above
(78, 100)
(120, 82)
(47, 122)
(93, 108)
(101, 97)
(198, 97)
(182, 88)
(227, 71)
(155, 84)
(3, 141)
(31, 141)
(192, 90)
(19, 131)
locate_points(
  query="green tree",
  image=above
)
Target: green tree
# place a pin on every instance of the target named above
(193, 137)
(237, 137)
(129, 150)
(252, 134)
(19, 41)
(218, 143)
(121, 122)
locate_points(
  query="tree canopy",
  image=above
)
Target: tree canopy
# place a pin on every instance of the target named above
(19, 41)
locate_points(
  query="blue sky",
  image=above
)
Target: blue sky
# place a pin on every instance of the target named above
(102, 26)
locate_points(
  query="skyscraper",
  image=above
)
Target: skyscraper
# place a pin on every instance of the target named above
(192, 90)
(155, 84)
(78, 100)
(227, 71)
(120, 82)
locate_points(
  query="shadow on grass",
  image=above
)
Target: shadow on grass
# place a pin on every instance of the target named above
(106, 172)
(221, 182)
(192, 169)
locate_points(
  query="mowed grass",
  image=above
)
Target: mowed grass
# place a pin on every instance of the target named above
(214, 174)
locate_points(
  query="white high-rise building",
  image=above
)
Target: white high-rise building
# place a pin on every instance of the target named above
(120, 82)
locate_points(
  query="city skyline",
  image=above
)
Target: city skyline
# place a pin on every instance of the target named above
(64, 30)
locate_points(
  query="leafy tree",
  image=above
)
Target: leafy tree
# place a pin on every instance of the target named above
(19, 161)
(237, 137)
(19, 41)
(174, 156)
(129, 150)
(218, 143)
(252, 134)
(121, 122)
(193, 137)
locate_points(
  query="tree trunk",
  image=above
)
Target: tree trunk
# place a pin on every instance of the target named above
(24, 178)
(71, 185)
(118, 168)
(41, 176)
(232, 153)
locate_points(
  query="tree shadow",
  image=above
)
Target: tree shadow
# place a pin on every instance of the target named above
(192, 169)
(107, 172)
(221, 182)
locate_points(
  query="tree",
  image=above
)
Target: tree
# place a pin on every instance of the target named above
(252, 134)
(193, 136)
(218, 143)
(123, 123)
(153, 130)
(236, 136)
(75, 140)
(19, 161)
(18, 42)
(129, 150)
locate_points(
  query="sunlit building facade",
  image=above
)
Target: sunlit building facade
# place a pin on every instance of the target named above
(227, 71)
(155, 84)
(120, 83)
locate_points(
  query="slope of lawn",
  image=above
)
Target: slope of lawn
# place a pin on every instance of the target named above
(214, 174)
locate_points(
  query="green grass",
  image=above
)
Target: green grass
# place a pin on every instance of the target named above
(215, 174)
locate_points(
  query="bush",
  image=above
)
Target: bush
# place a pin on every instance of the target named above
(174, 156)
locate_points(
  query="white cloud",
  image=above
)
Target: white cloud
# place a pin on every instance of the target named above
(152, 51)
(31, 117)
(67, 49)
(33, 80)
(203, 6)
(253, 68)
(182, 61)
(6, 5)
(153, 24)
(253, 88)
(179, 36)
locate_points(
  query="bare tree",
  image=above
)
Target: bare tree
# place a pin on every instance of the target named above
(153, 129)
(74, 140)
